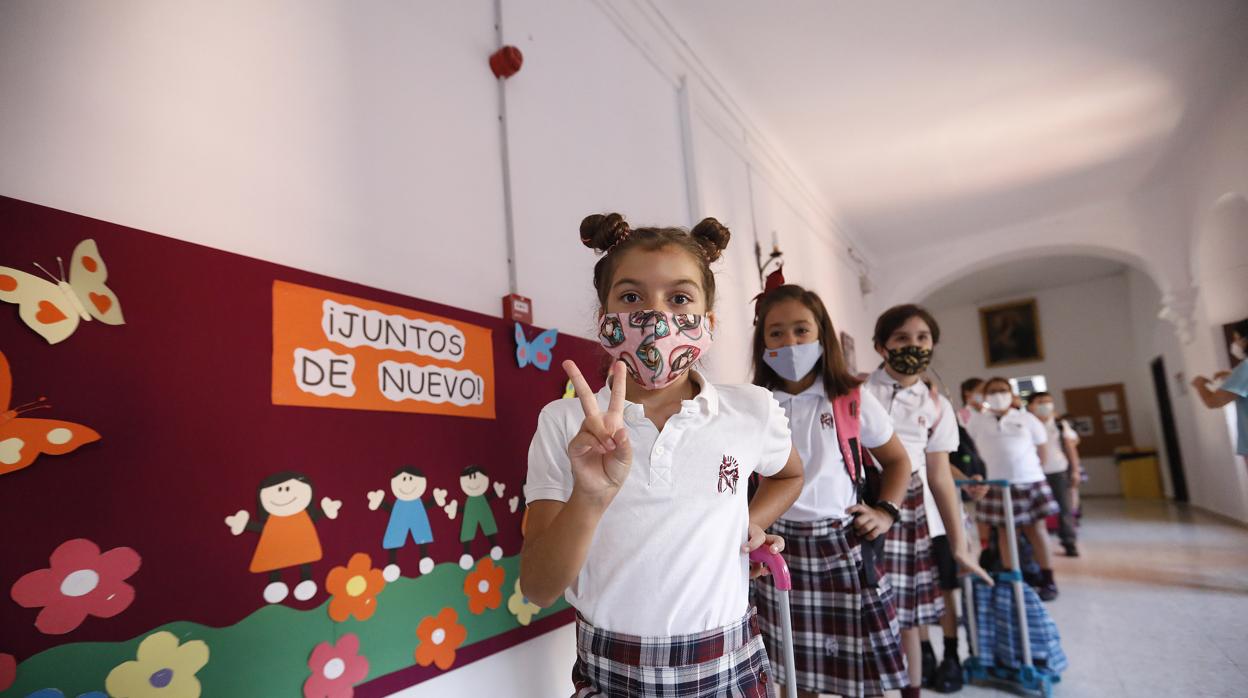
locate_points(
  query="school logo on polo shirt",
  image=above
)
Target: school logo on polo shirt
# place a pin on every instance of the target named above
(728, 474)
(825, 420)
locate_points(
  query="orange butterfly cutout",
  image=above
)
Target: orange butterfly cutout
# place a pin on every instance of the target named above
(23, 439)
(54, 308)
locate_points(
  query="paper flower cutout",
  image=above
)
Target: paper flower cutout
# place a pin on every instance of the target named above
(8, 671)
(335, 669)
(354, 589)
(81, 582)
(56, 693)
(163, 669)
(439, 636)
(484, 586)
(521, 607)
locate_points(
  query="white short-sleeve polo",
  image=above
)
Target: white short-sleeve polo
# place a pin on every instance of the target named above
(666, 557)
(1058, 436)
(1008, 445)
(924, 424)
(828, 491)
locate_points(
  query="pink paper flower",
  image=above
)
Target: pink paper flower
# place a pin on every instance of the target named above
(335, 669)
(81, 582)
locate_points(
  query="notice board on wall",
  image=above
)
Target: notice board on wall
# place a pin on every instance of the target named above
(224, 477)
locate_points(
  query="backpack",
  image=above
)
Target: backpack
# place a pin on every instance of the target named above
(866, 476)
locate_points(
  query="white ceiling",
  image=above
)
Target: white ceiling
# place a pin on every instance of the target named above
(918, 119)
(1020, 277)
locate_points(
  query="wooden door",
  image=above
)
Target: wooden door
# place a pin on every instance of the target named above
(1099, 414)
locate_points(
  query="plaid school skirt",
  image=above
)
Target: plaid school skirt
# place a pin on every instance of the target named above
(1032, 501)
(845, 634)
(729, 662)
(909, 564)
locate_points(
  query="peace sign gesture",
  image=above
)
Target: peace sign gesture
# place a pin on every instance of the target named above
(600, 452)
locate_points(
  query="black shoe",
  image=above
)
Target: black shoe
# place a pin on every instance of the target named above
(1047, 592)
(1071, 550)
(948, 677)
(929, 664)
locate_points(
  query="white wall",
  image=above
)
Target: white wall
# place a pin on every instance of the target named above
(362, 142)
(1088, 339)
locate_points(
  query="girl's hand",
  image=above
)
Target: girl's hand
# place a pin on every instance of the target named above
(968, 563)
(757, 539)
(600, 452)
(870, 522)
(977, 492)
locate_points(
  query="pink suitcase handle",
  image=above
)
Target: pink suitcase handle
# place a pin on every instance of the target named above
(775, 563)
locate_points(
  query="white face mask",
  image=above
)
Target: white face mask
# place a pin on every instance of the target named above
(1000, 401)
(977, 401)
(1044, 410)
(794, 361)
(1237, 350)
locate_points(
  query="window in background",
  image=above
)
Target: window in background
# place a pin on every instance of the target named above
(1025, 386)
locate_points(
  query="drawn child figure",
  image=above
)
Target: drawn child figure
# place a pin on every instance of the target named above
(287, 532)
(407, 516)
(477, 513)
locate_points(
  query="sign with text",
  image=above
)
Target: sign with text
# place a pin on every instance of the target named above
(333, 350)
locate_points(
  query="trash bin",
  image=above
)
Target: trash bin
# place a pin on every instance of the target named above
(1138, 473)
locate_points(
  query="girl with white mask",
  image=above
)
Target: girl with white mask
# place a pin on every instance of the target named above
(846, 633)
(1013, 443)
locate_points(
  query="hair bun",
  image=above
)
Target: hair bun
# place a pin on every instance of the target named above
(601, 232)
(712, 236)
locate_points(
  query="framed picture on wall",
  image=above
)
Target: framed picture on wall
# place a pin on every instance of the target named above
(847, 348)
(1226, 342)
(1011, 333)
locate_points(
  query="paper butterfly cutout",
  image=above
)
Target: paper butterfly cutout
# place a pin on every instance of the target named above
(23, 439)
(538, 352)
(54, 308)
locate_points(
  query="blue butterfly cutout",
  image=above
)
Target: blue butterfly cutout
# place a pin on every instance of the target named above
(539, 351)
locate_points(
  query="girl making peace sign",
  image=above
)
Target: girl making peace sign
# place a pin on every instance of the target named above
(638, 510)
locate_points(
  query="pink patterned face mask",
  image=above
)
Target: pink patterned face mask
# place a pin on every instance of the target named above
(656, 347)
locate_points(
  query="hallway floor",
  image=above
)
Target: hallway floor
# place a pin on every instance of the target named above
(1156, 606)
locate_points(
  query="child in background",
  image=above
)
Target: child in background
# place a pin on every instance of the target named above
(845, 628)
(1061, 472)
(972, 399)
(638, 512)
(1013, 444)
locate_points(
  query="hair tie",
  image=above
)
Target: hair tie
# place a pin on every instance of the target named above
(623, 236)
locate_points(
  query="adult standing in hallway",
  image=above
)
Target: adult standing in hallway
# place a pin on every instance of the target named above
(1234, 386)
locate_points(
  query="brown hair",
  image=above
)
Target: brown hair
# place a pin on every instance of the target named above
(998, 379)
(611, 235)
(897, 316)
(837, 380)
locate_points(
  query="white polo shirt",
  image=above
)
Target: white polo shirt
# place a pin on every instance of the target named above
(924, 425)
(666, 557)
(1058, 434)
(1008, 446)
(828, 491)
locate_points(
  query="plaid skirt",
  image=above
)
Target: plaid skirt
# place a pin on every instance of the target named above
(909, 564)
(1032, 501)
(729, 662)
(845, 634)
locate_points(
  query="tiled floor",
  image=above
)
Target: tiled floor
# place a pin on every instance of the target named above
(1156, 606)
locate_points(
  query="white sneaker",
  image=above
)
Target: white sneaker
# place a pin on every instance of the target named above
(465, 561)
(276, 592)
(390, 573)
(496, 553)
(305, 590)
(426, 565)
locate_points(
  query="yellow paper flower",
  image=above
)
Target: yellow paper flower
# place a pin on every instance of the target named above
(163, 669)
(521, 607)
